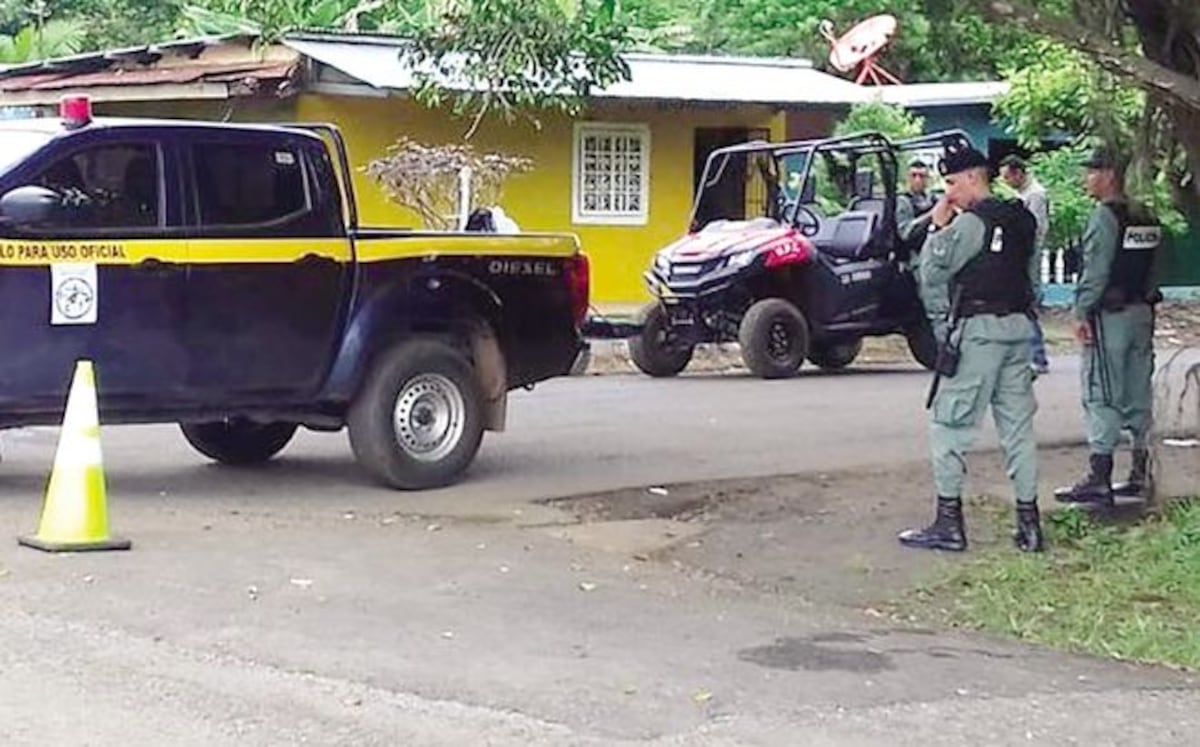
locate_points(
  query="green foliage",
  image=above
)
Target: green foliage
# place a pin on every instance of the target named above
(935, 40)
(832, 172)
(517, 56)
(1061, 91)
(893, 121)
(100, 24)
(268, 18)
(1060, 173)
(51, 39)
(1129, 593)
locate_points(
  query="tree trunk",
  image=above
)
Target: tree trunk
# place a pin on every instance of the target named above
(1168, 85)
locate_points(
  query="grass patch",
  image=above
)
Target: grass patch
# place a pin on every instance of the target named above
(1125, 592)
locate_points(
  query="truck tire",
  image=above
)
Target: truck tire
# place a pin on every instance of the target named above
(649, 350)
(238, 441)
(774, 338)
(834, 357)
(922, 344)
(418, 420)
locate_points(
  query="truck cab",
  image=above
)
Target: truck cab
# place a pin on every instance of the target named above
(217, 277)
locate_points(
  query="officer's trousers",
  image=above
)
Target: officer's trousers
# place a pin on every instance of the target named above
(989, 373)
(1116, 378)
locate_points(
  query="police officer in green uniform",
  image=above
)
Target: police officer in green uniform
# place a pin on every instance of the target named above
(976, 287)
(913, 207)
(1114, 313)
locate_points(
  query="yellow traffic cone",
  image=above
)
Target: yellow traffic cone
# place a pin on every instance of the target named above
(75, 515)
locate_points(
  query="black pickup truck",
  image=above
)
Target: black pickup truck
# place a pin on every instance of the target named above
(217, 277)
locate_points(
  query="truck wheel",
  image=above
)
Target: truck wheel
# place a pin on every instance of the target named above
(836, 356)
(418, 420)
(238, 441)
(922, 344)
(774, 338)
(649, 350)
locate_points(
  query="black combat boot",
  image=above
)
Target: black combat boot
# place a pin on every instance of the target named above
(945, 533)
(1139, 476)
(1095, 488)
(1028, 537)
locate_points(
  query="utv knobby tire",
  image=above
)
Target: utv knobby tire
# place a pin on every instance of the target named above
(835, 357)
(238, 441)
(648, 350)
(774, 338)
(435, 381)
(922, 344)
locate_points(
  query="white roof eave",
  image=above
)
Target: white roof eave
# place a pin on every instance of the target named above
(376, 62)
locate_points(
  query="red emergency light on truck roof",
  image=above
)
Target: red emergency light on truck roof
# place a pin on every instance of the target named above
(75, 111)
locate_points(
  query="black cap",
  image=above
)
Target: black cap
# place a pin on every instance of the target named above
(962, 159)
(917, 163)
(1104, 158)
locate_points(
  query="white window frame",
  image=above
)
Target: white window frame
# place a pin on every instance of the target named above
(578, 214)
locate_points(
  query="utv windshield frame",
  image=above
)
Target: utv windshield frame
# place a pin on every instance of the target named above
(854, 147)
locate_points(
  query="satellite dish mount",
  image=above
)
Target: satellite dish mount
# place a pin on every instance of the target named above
(860, 46)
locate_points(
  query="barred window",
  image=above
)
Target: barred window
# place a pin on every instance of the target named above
(611, 179)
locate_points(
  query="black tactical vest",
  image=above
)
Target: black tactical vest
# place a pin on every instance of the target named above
(921, 203)
(996, 281)
(1138, 238)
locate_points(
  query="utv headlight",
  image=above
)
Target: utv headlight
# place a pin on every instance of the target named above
(741, 259)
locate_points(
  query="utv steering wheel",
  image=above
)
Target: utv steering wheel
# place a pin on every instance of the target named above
(807, 221)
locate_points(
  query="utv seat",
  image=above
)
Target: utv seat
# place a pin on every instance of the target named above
(850, 236)
(868, 205)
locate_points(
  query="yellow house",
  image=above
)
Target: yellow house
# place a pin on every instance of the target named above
(621, 176)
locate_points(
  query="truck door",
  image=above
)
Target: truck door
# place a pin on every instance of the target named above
(269, 267)
(102, 280)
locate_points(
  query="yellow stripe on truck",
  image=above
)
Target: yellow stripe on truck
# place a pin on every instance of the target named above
(271, 251)
(466, 245)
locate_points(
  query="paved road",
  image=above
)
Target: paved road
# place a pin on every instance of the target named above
(298, 604)
(581, 435)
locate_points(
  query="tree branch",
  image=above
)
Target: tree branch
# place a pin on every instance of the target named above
(1167, 85)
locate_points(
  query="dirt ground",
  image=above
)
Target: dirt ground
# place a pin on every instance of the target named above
(1178, 325)
(830, 538)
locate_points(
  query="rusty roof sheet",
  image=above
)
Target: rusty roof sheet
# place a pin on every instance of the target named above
(148, 76)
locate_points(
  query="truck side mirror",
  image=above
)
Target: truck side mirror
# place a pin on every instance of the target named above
(30, 206)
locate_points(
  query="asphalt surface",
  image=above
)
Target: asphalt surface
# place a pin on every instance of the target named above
(300, 604)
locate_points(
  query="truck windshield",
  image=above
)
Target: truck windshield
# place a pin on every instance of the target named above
(16, 145)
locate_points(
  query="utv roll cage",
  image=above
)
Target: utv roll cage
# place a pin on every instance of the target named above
(849, 178)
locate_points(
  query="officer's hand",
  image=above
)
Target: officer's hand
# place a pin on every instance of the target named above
(942, 214)
(1083, 333)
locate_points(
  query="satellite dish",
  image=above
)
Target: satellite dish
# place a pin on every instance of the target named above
(860, 46)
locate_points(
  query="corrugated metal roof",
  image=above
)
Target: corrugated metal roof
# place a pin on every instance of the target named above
(942, 94)
(145, 76)
(104, 57)
(376, 61)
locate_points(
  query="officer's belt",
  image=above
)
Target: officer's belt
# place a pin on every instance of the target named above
(977, 308)
(1116, 299)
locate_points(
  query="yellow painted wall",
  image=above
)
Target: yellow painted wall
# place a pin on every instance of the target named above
(539, 200)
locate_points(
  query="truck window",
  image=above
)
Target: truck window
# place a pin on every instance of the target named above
(107, 187)
(250, 184)
(17, 145)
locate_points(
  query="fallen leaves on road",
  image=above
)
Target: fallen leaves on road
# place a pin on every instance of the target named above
(303, 583)
(702, 696)
(586, 586)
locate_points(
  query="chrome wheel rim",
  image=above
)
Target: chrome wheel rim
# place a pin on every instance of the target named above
(429, 417)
